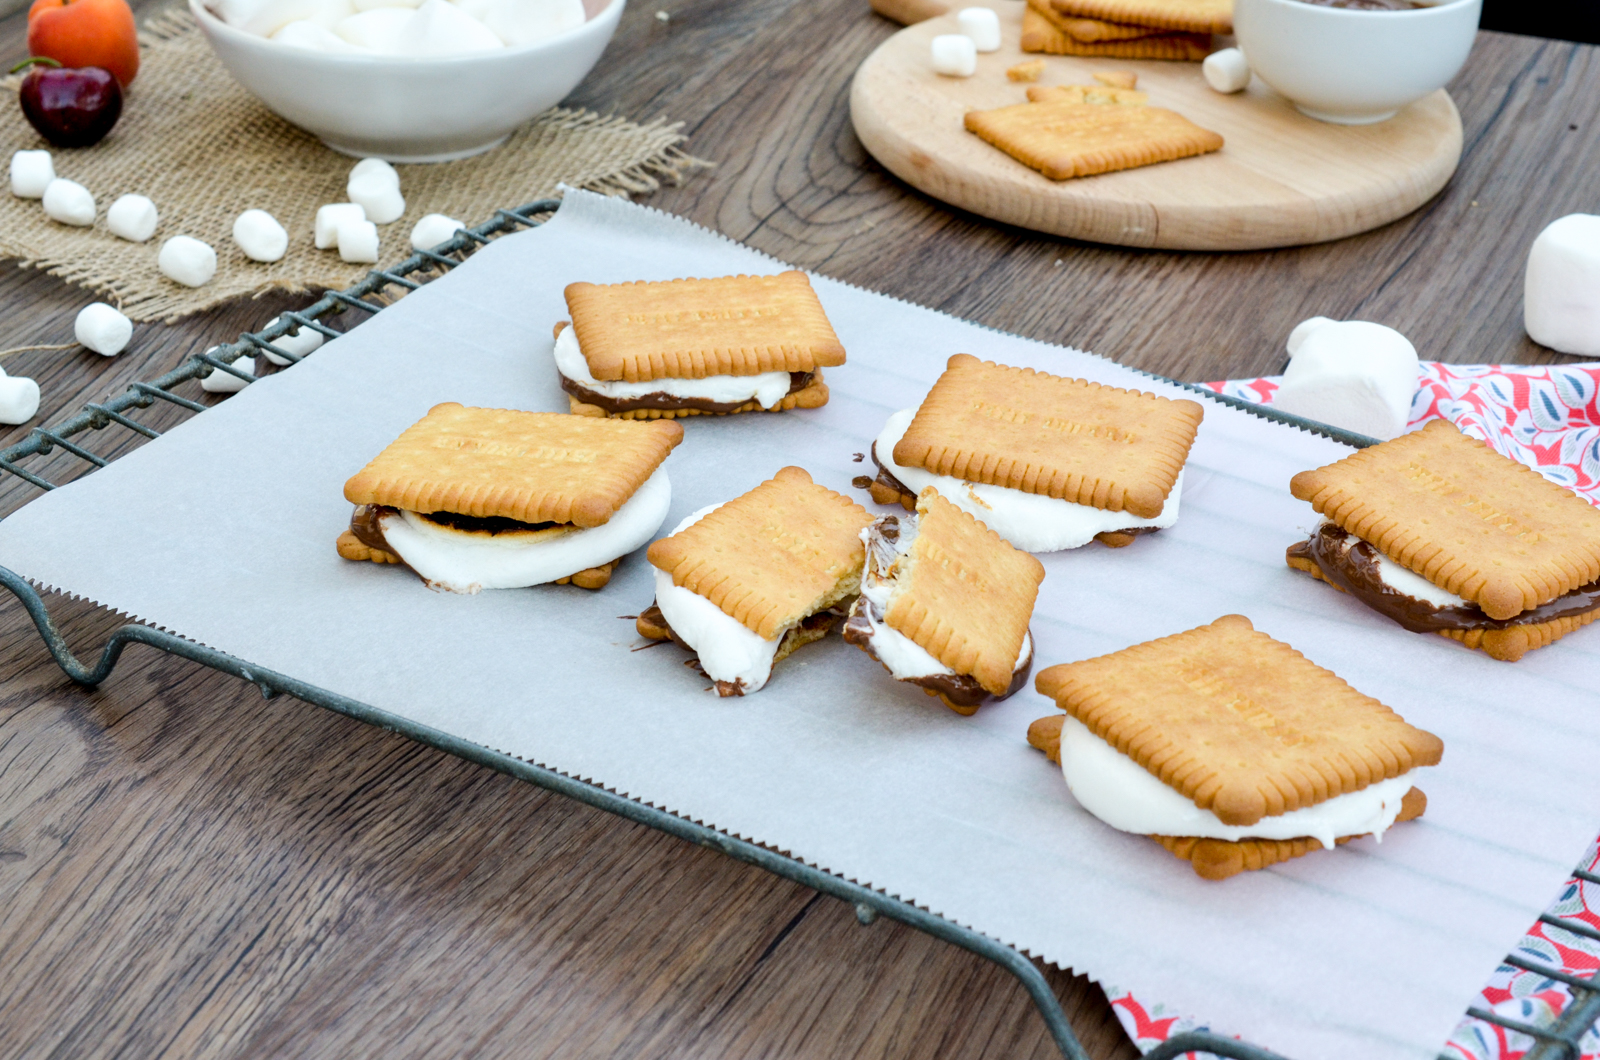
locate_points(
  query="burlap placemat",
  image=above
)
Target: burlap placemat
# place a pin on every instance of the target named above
(205, 150)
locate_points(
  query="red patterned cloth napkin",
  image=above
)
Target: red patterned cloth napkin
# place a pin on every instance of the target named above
(1547, 417)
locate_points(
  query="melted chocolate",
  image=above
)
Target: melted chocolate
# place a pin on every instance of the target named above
(364, 525)
(885, 478)
(1355, 570)
(963, 690)
(483, 524)
(669, 402)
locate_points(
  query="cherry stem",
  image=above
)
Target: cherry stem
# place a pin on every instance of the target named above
(35, 59)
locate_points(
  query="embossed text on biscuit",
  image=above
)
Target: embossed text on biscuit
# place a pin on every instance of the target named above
(1477, 506)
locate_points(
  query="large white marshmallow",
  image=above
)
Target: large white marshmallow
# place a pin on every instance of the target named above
(982, 25)
(441, 28)
(478, 9)
(358, 242)
(1561, 291)
(954, 55)
(330, 217)
(103, 329)
(273, 15)
(432, 230)
(373, 165)
(378, 29)
(19, 399)
(133, 217)
(307, 34)
(1351, 374)
(298, 341)
(372, 191)
(69, 202)
(368, 5)
(31, 173)
(1226, 70)
(220, 382)
(187, 260)
(519, 22)
(260, 236)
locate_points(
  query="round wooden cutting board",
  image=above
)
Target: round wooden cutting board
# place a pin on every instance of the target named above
(1282, 179)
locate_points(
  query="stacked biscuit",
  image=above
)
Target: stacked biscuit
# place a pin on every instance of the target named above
(1126, 29)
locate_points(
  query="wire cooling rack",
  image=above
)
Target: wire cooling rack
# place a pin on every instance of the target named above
(1557, 1040)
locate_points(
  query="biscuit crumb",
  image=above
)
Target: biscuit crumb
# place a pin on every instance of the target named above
(1028, 71)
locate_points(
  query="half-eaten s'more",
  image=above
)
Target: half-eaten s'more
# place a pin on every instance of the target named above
(1442, 534)
(474, 499)
(945, 604)
(1046, 462)
(746, 582)
(695, 347)
(1230, 748)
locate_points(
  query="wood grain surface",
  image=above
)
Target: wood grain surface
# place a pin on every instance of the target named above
(1281, 179)
(189, 871)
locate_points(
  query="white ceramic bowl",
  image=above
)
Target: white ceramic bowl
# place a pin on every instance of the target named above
(412, 110)
(1350, 66)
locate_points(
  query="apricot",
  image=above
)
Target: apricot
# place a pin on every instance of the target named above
(78, 33)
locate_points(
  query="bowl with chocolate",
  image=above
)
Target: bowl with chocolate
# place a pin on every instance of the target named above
(1355, 62)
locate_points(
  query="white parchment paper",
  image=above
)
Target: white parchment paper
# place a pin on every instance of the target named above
(1373, 951)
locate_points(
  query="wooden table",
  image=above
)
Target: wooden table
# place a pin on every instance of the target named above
(187, 870)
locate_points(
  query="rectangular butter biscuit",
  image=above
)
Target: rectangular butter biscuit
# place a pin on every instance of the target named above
(1237, 722)
(1188, 16)
(1091, 30)
(1126, 97)
(533, 467)
(1120, 450)
(1469, 520)
(694, 328)
(1040, 35)
(785, 550)
(1066, 140)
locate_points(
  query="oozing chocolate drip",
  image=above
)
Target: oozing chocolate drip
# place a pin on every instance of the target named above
(1355, 570)
(961, 689)
(669, 402)
(886, 478)
(364, 525)
(484, 524)
(822, 622)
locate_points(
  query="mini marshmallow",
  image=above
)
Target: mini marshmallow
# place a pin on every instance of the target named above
(133, 217)
(519, 22)
(188, 261)
(330, 217)
(378, 29)
(441, 28)
(1226, 70)
(369, 5)
(260, 236)
(235, 12)
(19, 399)
(273, 15)
(220, 382)
(69, 202)
(1352, 374)
(432, 230)
(31, 173)
(373, 193)
(358, 241)
(1561, 289)
(307, 34)
(373, 165)
(103, 329)
(478, 9)
(982, 25)
(954, 55)
(298, 341)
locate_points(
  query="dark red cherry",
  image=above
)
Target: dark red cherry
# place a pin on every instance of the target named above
(70, 107)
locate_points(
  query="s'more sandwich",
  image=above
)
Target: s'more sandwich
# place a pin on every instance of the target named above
(1230, 748)
(746, 582)
(945, 604)
(1440, 533)
(1046, 462)
(695, 347)
(474, 499)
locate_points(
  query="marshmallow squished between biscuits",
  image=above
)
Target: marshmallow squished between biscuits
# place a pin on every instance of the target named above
(955, 55)
(1351, 374)
(1561, 292)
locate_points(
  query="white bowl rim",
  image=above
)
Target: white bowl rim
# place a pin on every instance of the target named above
(1355, 12)
(204, 15)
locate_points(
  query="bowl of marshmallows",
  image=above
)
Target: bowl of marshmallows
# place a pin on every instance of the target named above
(408, 80)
